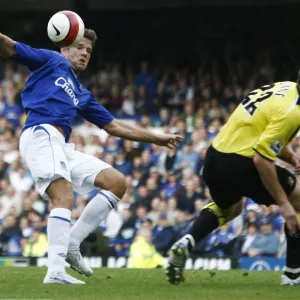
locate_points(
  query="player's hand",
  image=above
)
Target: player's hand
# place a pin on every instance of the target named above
(296, 163)
(290, 215)
(168, 140)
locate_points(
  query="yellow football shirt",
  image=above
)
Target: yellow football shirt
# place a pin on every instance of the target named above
(266, 121)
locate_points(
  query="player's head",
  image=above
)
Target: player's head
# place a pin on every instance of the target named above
(80, 54)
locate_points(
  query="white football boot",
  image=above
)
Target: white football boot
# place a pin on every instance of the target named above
(176, 262)
(75, 259)
(61, 278)
(287, 281)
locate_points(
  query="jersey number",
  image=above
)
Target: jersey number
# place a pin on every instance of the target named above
(251, 107)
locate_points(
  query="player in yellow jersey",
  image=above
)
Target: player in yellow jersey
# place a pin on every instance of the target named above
(241, 163)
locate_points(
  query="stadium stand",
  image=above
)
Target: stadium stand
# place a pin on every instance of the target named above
(191, 91)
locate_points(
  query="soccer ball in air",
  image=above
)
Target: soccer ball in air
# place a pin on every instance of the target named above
(65, 28)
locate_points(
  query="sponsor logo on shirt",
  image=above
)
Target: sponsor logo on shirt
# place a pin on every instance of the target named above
(81, 88)
(70, 82)
(276, 147)
(68, 87)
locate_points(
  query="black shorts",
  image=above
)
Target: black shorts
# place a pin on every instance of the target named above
(230, 177)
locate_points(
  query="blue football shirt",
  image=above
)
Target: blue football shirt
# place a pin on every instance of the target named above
(52, 94)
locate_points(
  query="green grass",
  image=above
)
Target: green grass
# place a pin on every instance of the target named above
(26, 283)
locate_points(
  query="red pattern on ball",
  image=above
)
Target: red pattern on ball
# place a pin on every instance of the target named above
(74, 29)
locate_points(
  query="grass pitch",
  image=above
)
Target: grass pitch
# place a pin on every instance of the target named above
(26, 283)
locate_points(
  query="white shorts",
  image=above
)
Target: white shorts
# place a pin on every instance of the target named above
(49, 157)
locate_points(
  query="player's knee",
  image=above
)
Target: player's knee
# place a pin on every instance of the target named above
(118, 188)
(61, 194)
(113, 181)
(63, 202)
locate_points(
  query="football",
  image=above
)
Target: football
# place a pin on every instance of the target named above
(65, 29)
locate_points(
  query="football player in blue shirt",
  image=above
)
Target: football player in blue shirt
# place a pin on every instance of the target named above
(51, 98)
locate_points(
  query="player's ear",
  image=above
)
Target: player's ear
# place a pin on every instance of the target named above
(64, 51)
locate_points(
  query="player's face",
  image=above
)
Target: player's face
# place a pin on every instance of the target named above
(79, 55)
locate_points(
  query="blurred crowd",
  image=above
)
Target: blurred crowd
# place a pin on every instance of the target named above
(165, 190)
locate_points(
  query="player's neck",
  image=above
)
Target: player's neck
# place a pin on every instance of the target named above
(76, 73)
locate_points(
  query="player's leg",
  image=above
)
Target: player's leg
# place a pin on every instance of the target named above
(41, 148)
(58, 229)
(88, 173)
(222, 174)
(291, 187)
(211, 217)
(292, 270)
(113, 187)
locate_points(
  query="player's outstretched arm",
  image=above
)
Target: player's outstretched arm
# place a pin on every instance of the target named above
(127, 131)
(7, 46)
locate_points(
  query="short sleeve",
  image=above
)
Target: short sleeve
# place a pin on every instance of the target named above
(33, 58)
(96, 113)
(276, 136)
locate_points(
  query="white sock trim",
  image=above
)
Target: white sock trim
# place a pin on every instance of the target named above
(63, 214)
(190, 238)
(291, 270)
(111, 199)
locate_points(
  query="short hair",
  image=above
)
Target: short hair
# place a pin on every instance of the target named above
(91, 35)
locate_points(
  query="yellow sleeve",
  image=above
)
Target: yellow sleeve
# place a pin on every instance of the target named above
(276, 136)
